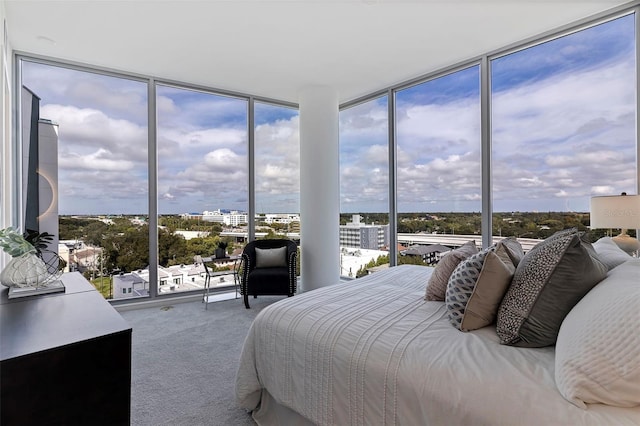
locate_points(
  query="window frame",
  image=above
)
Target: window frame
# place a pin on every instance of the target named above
(484, 62)
(152, 148)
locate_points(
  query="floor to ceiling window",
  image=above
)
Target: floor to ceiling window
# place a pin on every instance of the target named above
(439, 162)
(277, 171)
(364, 186)
(563, 128)
(102, 162)
(102, 170)
(202, 184)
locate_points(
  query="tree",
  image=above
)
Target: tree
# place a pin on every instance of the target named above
(94, 232)
(172, 249)
(129, 250)
(201, 246)
(410, 260)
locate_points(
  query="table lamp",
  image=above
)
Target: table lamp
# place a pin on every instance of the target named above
(617, 211)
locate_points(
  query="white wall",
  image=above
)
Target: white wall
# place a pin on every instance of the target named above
(319, 188)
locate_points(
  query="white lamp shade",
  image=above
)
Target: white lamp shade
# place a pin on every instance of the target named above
(616, 211)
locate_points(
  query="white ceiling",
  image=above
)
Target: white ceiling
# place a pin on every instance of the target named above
(273, 48)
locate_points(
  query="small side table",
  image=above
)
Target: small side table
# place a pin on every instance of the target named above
(237, 261)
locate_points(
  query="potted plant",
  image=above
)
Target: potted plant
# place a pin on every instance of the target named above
(26, 269)
(221, 250)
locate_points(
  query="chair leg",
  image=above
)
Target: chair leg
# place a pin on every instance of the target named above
(246, 300)
(205, 299)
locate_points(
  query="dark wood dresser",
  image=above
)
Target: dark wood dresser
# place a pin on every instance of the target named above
(65, 358)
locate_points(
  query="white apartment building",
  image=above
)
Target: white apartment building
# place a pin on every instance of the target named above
(171, 279)
(360, 235)
(282, 218)
(233, 218)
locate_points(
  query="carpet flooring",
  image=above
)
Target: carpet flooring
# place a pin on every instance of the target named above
(184, 362)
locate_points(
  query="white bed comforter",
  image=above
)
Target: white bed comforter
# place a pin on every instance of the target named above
(373, 352)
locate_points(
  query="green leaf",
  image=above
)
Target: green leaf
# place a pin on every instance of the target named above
(14, 244)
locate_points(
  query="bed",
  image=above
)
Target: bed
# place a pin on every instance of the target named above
(373, 351)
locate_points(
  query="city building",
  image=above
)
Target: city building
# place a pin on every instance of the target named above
(430, 254)
(361, 235)
(281, 218)
(171, 279)
(232, 218)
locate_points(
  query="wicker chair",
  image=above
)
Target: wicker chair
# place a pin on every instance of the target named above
(268, 268)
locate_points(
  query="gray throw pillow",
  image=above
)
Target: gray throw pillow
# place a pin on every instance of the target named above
(271, 258)
(548, 282)
(513, 249)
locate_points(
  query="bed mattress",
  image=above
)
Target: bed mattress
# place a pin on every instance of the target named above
(373, 351)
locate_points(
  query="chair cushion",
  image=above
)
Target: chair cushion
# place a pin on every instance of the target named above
(268, 281)
(271, 258)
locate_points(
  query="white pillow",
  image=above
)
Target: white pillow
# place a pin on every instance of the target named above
(598, 346)
(271, 258)
(609, 253)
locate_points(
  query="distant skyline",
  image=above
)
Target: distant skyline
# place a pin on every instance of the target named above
(563, 130)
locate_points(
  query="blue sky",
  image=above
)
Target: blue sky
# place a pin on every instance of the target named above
(563, 130)
(563, 115)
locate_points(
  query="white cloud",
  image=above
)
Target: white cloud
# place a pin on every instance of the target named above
(560, 137)
(437, 154)
(567, 135)
(100, 160)
(223, 160)
(117, 97)
(602, 190)
(83, 130)
(277, 164)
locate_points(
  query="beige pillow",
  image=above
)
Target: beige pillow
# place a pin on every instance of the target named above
(437, 285)
(493, 282)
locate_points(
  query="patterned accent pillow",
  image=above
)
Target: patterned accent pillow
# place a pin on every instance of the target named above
(478, 284)
(437, 285)
(461, 284)
(551, 278)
